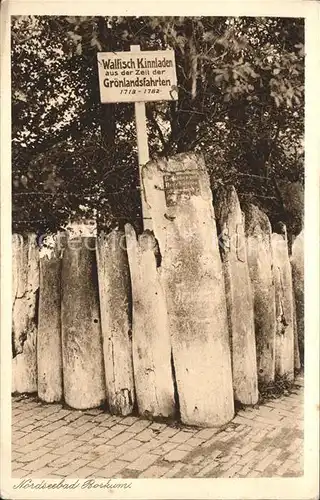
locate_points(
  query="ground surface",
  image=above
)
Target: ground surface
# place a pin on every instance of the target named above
(49, 441)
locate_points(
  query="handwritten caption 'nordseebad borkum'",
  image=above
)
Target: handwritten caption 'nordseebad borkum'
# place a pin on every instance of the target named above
(137, 76)
(88, 484)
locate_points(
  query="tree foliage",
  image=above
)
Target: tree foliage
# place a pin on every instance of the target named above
(241, 102)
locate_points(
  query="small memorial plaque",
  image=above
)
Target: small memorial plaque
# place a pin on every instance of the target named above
(180, 187)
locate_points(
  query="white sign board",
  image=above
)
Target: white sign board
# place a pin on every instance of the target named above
(137, 76)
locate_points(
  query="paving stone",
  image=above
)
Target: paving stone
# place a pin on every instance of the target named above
(247, 421)
(92, 433)
(107, 435)
(58, 433)
(260, 436)
(118, 428)
(32, 436)
(79, 430)
(138, 426)
(129, 420)
(246, 449)
(174, 470)
(157, 426)
(250, 456)
(15, 455)
(55, 417)
(84, 472)
(269, 420)
(117, 419)
(144, 461)
(71, 417)
(30, 428)
(53, 426)
(206, 433)
(154, 471)
(132, 455)
(126, 447)
(165, 448)
(94, 412)
(128, 473)
(63, 440)
(50, 441)
(288, 464)
(232, 471)
(20, 473)
(40, 462)
(296, 444)
(180, 437)
(263, 464)
(145, 435)
(69, 469)
(103, 417)
(232, 460)
(168, 432)
(197, 459)
(85, 448)
(207, 469)
(102, 460)
(33, 445)
(23, 423)
(120, 439)
(246, 414)
(175, 455)
(194, 442)
(44, 472)
(62, 460)
(67, 447)
(211, 442)
(185, 447)
(113, 468)
(33, 455)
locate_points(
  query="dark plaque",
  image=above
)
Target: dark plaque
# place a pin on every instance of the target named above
(180, 186)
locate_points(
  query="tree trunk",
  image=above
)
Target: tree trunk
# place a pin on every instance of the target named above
(186, 117)
(107, 111)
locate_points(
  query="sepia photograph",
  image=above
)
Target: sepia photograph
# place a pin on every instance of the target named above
(157, 250)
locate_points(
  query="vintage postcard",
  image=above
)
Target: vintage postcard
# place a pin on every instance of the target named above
(159, 250)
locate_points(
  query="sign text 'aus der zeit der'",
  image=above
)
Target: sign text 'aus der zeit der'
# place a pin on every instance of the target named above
(137, 76)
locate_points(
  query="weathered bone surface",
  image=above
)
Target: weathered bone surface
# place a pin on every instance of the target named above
(259, 254)
(180, 200)
(49, 350)
(25, 284)
(297, 264)
(297, 363)
(284, 305)
(239, 295)
(150, 332)
(114, 292)
(82, 355)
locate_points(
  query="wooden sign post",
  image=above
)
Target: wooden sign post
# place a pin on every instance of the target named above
(138, 77)
(143, 150)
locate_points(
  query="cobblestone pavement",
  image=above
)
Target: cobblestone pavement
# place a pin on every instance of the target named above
(50, 441)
